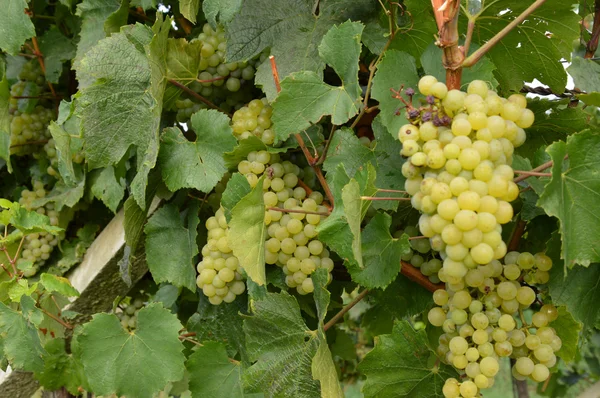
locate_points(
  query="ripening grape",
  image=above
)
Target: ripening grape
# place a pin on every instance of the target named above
(254, 120)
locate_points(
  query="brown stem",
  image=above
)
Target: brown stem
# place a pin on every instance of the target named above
(539, 168)
(515, 239)
(311, 160)
(12, 263)
(189, 334)
(481, 51)
(415, 275)
(306, 187)
(592, 44)
(40, 58)
(323, 156)
(195, 95)
(57, 319)
(343, 311)
(10, 275)
(390, 190)
(532, 173)
(319, 213)
(470, 29)
(14, 260)
(446, 15)
(27, 55)
(191, 341)
(417, 237)
(383, 198)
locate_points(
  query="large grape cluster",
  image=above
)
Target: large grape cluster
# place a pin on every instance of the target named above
(38, 246)
(459, 148)
(254, 119)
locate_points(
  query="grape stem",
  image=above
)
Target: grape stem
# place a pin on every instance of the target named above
(415, 275)
(532, 173)
(57, 319)
(196, 95)
(344, 310)
(592, 44)
(390, 190)
(417, 237)
(40, 58)
(383, 198)
(319, 213)
(541, 167)
(312, 161)
(481, 51)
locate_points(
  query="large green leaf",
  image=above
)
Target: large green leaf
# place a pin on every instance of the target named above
(305, 98)
(183, 65)
(534, 49)
(572, 196)
(171, 246)
(19, 336)
(401, 365)
(4, 116)
(15, 26)
(292, 30)
(94, 14)
(212, 374)
(137, 364)
(198, 164)
(381, 254)
(247, 233)
(282, 347)
(189, 9)
(396, 69)
(54, 283)
(124, 105)
(60, 369)
(108, 185)
(225, 10)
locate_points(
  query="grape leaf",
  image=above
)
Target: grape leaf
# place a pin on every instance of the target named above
(585, 76)
(346, 149)
(432, 62)
(54, 283)
(221, 323)
(282, 347)
(381, 254)
(94, 14)
(22, 346)
(292, 30)
(123, 107)
(572, 196)
(60, 369)
(189, 9)
(237, 188)
(417, 30)
(247, 232)
(578, 290)
(568, 329)
(225, 10)
(183, 65)
(395, 69)
(353, 203)
(64, 195)
(30, 222)
(212, 374)
(108, 185)
(553, 121)
(400, 366)
(145, 4)
(305, 98)
(4, 116)
(198, 164)
(400, 299)
(171, 246)
(335, 230)
(15, 26)
(112, 357)
(56, 49)
(20, 288)
(388, 166)
(65, 144)
(534, 49)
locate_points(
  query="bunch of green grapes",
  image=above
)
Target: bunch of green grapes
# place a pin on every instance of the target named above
(420, 255)
(32, 125)
(226, 100)
(51, 155)
(484, 322)
(128, 314)
(220, 275)
(38, 246)
(292, 241)
(254, 120)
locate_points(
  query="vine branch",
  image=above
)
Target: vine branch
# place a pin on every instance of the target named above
(195, 95)
(40, 58)
(541, 167)
(415, 275)
(481, 51)
(592, 44)
(343, 311)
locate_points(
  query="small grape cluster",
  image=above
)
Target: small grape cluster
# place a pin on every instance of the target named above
(254, 119)
(220, 275)
(292, 237)
(420, 255)
(38, 246)
(51, 154)
(128, 314)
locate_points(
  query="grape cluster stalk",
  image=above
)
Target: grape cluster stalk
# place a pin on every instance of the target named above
(459, 148)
